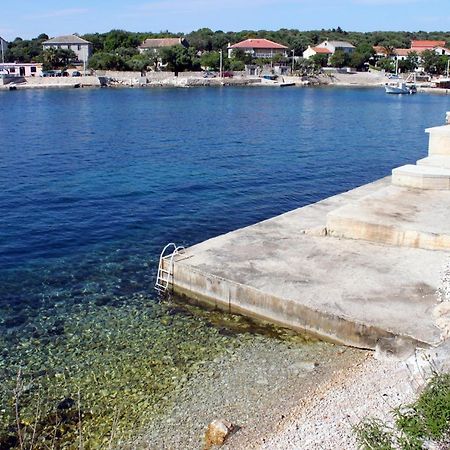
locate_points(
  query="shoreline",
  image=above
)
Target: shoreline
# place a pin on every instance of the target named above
(257, 387)
(126, 80)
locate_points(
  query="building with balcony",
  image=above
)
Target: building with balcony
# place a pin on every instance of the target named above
(259, 48)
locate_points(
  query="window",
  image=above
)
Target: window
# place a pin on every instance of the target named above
(33, 69)
(12, 70)
(79, 47)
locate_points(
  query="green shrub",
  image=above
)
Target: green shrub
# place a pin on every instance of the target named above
(427, 419)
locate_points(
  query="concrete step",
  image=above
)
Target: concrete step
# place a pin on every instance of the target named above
(421, 177)
(439, 140)
(442, 161)
(396, 216)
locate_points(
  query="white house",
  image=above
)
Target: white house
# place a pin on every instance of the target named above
(442, 51)
(311, 51)
(328, 48)
(258, 48)
(345, 46)
(21, 69)
(81, 47)
(153, 45)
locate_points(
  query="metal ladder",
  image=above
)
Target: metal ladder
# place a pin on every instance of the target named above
(165, 276)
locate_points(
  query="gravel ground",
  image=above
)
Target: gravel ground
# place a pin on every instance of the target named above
(371, 388)
(255, 387)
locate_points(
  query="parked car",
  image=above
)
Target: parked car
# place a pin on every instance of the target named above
(208, 74)
(48, 73)
(227, 74)
(76, 73)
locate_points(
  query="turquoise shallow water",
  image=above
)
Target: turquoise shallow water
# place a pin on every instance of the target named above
(94, 182)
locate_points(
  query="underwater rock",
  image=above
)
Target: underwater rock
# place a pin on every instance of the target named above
(102, 300)
(217, 432)
(67, 403)
(15, 321)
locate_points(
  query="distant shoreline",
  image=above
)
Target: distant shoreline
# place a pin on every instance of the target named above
(189, 80)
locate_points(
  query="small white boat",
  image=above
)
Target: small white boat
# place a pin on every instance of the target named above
(400, 88)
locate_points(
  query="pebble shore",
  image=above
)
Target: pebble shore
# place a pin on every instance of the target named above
(255, 387)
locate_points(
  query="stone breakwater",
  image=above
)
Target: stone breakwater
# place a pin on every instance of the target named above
(54, 83)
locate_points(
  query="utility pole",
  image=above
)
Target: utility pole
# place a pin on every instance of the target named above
(293, 55)
(2, 43)
(221, 61)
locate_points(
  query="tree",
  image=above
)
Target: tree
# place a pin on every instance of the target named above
(410, 64)
(389, 50)
(139, 63)
(107, 61)
(210, 60)
(431, 61)
(240, 55)
(25, 51)
(305, 66)
(339, 59)
(320, 60)
(361, 56)
(386, 64)
(58, 58)
(119, 38)
(177, 58)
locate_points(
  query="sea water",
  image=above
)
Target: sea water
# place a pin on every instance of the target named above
(93, 183)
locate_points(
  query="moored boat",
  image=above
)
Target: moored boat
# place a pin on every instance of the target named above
(400, 88)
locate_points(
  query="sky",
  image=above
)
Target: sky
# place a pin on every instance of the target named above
(29, 18)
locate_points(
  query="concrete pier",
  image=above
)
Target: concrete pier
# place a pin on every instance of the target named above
(354, 268)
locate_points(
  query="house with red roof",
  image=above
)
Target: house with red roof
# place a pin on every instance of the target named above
(436, 46)
(311, 51)
(426, 45)
(417, 47)
(328, 48)
(258, 48)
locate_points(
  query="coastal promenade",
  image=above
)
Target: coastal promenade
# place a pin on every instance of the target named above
(356, 268)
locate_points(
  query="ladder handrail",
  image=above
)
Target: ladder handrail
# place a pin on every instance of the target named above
(162, 282)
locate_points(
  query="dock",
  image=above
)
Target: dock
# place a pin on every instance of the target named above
(354, 268)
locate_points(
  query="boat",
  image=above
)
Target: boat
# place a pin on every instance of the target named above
(400, 87)
(397, 85)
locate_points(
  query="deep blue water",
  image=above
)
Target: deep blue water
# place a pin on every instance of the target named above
(87, 172)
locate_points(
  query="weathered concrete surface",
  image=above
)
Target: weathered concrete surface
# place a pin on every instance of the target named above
(439, 140)
(288, 271)
(435, 161)
(421, 177)
(396, 216)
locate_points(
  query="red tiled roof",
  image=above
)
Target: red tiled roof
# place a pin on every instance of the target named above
(379, 49)
(427, 44)
(325, 51)
(258, 43)
(404, 51)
